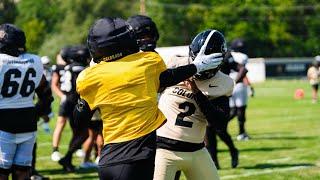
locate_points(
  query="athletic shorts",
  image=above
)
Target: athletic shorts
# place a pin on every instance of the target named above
(16, 149)
(196, 165)
(315, 86)
(96, 126)
(66, 109)
(239, 96)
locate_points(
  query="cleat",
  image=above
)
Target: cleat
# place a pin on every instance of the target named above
(56, 156)
(234, 158)
(67, 166)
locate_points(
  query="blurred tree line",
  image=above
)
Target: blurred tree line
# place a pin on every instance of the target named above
(271, 28)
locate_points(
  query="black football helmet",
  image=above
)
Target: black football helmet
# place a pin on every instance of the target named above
(216, 44)
(146, 32)
(110, 39)
(12, 40)
(238, 45)
(78, 53)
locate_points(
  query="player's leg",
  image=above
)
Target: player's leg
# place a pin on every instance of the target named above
(79, 136)
(241, 104)
(222, 132)
(21, 172)
(60, 124)
(87, 148)
(233, 109)
(165, 165)
(315, 93)
(7, 152)
(139, 170)
(99, 142)
(202, 167)
(21, 168)
(211, 144)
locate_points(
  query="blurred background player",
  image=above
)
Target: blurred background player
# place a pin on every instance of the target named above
(56, 82)
(146, 32)
(77, 58)
(125, 92)
(21, 76)
(313, 77)
(180, 141)
(234, 66)
(47, 68)
(93, 142)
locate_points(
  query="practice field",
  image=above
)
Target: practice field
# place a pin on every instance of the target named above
(285, 140)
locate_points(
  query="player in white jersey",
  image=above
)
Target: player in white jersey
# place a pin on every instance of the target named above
(238, 102)
(180, 141)
(21, 76)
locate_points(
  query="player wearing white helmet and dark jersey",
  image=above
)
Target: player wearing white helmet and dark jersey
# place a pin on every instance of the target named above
(21, 76)
(180, 141)
(234, 66)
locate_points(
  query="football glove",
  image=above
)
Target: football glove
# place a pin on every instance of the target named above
(205, 62)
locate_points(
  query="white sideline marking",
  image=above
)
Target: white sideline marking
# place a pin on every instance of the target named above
(279, 160)
(266, 171)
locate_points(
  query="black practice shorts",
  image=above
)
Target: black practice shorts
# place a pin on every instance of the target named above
(315, 86)
(137, 170)
(66, 109)
(96, 125)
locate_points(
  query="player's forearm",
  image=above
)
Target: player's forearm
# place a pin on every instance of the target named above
(43, 106)
(210, 110)
(241, 74)
(82, 114)
(172, 77)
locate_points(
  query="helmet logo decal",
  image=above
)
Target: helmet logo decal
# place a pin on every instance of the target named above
(2, 34)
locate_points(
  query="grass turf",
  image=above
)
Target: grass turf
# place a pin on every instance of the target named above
(285, 138)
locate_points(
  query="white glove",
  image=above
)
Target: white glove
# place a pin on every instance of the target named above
(205, 62)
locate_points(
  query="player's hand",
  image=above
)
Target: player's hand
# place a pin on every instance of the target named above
(251, 91)
(205, 62)
(191, 85)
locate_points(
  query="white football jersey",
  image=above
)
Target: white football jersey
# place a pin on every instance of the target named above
(185, 121)
(239, 58)
(19, 77)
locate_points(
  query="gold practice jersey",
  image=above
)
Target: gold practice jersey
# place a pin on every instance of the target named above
(185, 121)
(125, 92)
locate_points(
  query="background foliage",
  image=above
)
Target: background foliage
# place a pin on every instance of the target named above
(271, 28)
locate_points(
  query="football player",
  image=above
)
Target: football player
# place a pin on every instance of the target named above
(146, 31)
(21, 76)
(77, 58)
(234, 65)
(188, 111)
(123, 86)
(57, 82)
(313, 74)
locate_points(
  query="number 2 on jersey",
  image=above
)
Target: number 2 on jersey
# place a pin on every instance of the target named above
(190, 109)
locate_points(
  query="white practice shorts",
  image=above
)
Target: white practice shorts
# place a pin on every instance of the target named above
(16, 149)
(196, 165)
(239, 96)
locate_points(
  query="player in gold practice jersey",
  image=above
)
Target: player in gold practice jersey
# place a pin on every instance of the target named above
(123, 87)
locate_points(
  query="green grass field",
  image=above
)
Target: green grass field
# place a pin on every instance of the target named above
(285, 138)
